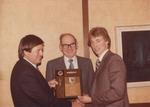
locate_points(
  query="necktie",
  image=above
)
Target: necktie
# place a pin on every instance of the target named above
(71, 64)
(97, 64)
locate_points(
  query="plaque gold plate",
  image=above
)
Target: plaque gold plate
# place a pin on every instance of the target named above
(69, 84)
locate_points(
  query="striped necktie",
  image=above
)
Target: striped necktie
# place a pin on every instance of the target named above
(71, 66)
(97, 64)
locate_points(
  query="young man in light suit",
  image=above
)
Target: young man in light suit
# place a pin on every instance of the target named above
(109, 85)
(68, 46)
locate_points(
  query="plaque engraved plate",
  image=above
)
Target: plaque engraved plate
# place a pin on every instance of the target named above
(69, 85)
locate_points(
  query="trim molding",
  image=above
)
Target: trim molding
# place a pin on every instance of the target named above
(85, 27)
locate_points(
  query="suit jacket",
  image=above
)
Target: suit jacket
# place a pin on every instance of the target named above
(109, 84)
(84, 64)
(30, 89)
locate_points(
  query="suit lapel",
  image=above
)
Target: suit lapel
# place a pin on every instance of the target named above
(62, 62)
(79, 62)
(100, 70)
(104, 61)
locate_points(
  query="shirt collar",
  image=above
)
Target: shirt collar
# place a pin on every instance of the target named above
(102, 55)
(75, 62)
(74, 58)
(30, 62)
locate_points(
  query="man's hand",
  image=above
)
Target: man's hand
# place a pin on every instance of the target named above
(85, 99)
(52, 83)
(77, 103)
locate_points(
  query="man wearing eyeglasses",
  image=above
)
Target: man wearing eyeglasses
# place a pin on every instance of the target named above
(70, 60)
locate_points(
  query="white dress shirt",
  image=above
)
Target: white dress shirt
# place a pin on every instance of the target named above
(30, 62)
(67, 63)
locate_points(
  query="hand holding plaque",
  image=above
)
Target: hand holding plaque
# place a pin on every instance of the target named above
(69, 85)
(52, 83)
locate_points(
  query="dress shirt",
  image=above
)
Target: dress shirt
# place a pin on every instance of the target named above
(30, 63)
(67, 63)
(102, 55)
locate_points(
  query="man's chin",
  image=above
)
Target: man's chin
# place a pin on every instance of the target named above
(70, 56)
(95, 52)
(39, 63)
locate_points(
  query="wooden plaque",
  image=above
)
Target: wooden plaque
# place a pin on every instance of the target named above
(69, 85)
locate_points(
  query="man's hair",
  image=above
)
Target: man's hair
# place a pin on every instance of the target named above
(27, 43)
(65, 34)
(99, 31)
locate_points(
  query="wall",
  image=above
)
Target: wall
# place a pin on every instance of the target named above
(49, 18)
(45, 18)
(112, 13)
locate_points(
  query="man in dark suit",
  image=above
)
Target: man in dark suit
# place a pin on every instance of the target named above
(109, 84)
(28, 87)
(68, 46)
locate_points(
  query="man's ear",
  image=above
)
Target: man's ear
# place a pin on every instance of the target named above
(60, 47)
(77, 46)
(76, 43)
(107, 42)
(26, 53)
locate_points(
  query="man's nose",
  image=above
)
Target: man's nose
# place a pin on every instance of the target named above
(41, 53)
(69, 46)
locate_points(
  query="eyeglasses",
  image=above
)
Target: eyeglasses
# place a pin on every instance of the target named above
(71, 45)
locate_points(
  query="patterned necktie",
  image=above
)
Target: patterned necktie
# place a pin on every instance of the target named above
(97, 64)
(71, 64)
